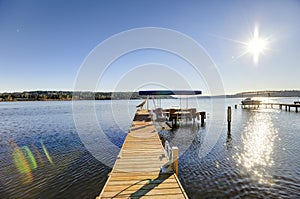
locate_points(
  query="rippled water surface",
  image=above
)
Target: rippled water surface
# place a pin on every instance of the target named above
(48, 152)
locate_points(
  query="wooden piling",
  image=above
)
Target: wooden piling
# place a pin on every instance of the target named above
(229, 118)
(175, 159)
(202, 114)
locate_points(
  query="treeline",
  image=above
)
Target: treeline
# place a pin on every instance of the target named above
(66, 95)
(69, 95)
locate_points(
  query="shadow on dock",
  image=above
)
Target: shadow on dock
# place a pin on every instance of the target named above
(146, 188)
(151, 185)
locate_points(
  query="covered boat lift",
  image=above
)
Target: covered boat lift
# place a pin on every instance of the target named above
(173, 114)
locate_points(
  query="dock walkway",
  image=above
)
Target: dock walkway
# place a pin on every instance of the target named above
(137, 170)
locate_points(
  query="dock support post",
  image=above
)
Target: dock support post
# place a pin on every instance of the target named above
(296, 109)
(285, 107)
(175, 159)
(289, 108)
(235, 106)
(280, 106)
(229, 118)
(202, 115)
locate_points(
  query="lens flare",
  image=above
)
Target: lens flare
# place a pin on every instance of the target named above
(47, 153)
(21, 163)
(29, 157)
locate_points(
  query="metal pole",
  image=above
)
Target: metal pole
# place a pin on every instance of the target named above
(180, 102)
(187, 102)
(147, 102)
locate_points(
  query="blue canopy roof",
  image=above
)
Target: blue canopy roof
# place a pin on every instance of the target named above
(170, 92)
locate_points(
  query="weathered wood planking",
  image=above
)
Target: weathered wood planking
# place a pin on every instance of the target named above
(136, 173)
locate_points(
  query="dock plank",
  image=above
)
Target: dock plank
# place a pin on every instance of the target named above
(137, 170)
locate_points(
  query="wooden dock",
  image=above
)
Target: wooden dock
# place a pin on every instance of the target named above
(142, 168)
(281, 105)
(286, 106)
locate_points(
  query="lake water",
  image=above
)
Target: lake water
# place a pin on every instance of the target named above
(50, 150)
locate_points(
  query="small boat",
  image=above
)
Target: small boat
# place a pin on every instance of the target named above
(249, 101)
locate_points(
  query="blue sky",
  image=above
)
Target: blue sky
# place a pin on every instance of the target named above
(44, 43)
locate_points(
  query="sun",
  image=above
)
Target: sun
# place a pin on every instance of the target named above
(256, 46)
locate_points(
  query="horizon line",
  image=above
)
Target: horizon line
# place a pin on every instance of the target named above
(203, 94)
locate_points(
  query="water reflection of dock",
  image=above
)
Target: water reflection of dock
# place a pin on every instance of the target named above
(143, 168)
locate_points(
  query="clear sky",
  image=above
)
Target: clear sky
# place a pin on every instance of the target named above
(43, 43)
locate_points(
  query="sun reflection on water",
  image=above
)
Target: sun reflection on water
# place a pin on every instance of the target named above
(258, 141)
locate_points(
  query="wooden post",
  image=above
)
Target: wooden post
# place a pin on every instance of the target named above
(175, 159)
(202, 115)
(285, 107)
(280, 106)
(296, 109)
(229, 118)
(289, 108)
(235, 106)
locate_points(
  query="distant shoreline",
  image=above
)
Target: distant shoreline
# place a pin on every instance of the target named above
(69, 95)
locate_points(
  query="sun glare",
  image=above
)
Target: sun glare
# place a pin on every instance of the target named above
(256, 46)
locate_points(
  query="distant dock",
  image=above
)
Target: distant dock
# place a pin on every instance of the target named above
(281, 106)
(144, 169)
(286, 106)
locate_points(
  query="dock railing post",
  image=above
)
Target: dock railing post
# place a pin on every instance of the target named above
(229, 119)
(175, 159)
